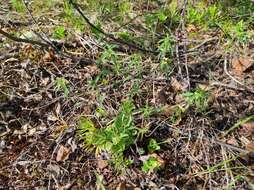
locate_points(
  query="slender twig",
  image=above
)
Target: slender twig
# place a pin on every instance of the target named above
(80, 60)
(45, 38)
(23, 40)
(185, 44)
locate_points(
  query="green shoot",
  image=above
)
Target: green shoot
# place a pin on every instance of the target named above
(197, 99)
(150, 165)
(153, 146)
(61, 85)
(114, 139)
(59, 32)
(18, 5)
(165, 50)
(177, 114)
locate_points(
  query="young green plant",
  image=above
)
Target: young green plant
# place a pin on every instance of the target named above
(113, 139)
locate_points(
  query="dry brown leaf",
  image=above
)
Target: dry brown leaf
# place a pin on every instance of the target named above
(121, 186)
(248, 128)
(58, 109)
(176, 85)
(53, 168)
(192, 28)
(244, 140)
(204, 87)
(240, 64)
(87, 110)
(52, 118)
(93, 69)
(102, 164)
(161, 97)
(232, 141)
(250, 146)
(49, 56)
(63, 153)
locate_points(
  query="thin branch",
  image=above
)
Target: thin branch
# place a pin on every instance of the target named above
(23, 40)
(81, 61)
(45, 38)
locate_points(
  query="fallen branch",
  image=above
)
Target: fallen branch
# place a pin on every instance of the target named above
(23, 40)
(81, 61)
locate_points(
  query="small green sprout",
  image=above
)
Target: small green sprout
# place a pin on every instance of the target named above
(166, 49)
(113, 139)
(61, 85)
(59, 32)
(197, 99)
(18, 5)
(153, 146)
(151, 164)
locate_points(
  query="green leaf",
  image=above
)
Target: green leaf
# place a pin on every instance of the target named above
(59, 32)
(161, 16)
(18, 5)
(153, 145)
(150, 165)
(61, 85)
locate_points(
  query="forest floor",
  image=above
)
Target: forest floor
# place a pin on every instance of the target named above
(126, 95)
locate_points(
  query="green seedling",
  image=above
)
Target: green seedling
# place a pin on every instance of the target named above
(233, 182)
(109, 55)
(75, 21)
(166, 49)
(166, 46)
(124, 8)
(178, 112)
(235, 32)
(95, 31)
(153, 146)
(18, 5)
(141, 151)
(150, 164)
(212, 15)
(113, 139)
(197, 99)
(61, 85)
(195, 16)
(241, 35)
(99, 182)
(68, 9)
(125, 35)
(135, 89)
(219, 166)
(135, 65)
(147, 111)
(101, 111)
(59, 32)
(161, 16)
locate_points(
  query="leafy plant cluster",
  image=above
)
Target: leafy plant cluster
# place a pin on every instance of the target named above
(219, 15)
(113, 139)
(116, 138)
